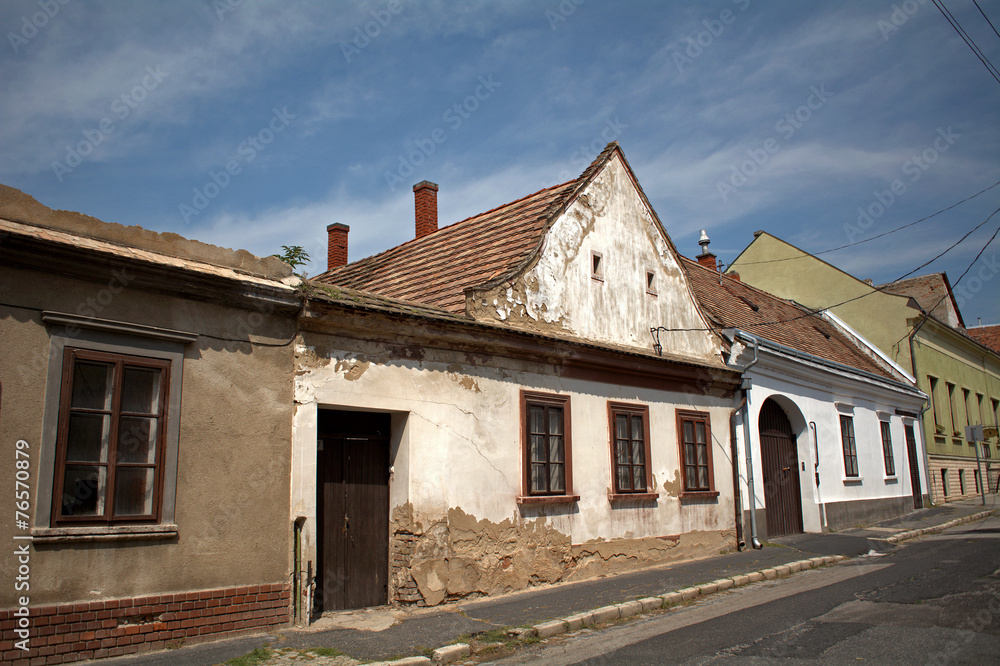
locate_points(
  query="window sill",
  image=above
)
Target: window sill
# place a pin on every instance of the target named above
(892, 479)
(102, 533)
(699, 494)
(635, 497)
(852, 480)
(548, 499)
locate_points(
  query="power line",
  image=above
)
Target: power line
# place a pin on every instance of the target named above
(968, 40)
(868, 240)
(986, 17)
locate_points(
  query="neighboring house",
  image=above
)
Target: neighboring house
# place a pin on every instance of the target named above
(917, 324)
(987, 336)
(495, 416)
(832, 426)
(146, 424)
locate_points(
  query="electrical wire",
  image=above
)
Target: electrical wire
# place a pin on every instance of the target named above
(990, 67)
(882, 235)
(986, 17)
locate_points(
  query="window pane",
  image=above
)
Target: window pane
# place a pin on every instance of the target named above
(538, 478)
(622, 452)
(702, 459)
(638, 451)
(637, 427)
(621, 426)
(691, 477)
(134, 491)
(555, 421)
(623, 481)
(83, 491)
(639, 477)
(689, 458)
(87, 440)
(141, 390)
(536, 419)
(555, 449)
(688, 431)
(92, 385)
(703, 477)
(137, 439)
(700, 431)
(538, 448)
(556, 481)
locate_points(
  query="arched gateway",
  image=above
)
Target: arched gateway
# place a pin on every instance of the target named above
(780, 471)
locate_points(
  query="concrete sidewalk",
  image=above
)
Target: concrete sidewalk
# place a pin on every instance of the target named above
(386, 633)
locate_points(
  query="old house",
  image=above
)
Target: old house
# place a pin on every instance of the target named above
(483, 408)
(829, 433)
(146, 422)
(916, 323)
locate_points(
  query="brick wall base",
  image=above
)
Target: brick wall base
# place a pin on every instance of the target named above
(97, 629)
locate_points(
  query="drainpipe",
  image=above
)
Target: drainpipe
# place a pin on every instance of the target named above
(745, 405)
(735, 457)
(819, 499)
(297, 571)
(923, 430)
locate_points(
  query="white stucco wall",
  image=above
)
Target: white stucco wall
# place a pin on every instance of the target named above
(809, 396)
(559, 294)
(457, 443)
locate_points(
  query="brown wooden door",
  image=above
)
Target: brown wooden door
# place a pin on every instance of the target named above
(911, 455)
(352, 507)
(780, 468)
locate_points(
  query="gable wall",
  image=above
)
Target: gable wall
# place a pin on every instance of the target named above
(558, 294)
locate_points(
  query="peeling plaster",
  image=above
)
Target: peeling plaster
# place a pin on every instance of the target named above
(672, 487)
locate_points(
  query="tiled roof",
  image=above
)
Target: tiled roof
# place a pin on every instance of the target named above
(932, 293)
(730, 303)
(988, 336)
(436, 269)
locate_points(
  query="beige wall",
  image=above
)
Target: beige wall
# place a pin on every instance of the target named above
(232, 467)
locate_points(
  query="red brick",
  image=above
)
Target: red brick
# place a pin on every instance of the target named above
(116, 652)
(109, 624)
(101, 654)
(131, 630)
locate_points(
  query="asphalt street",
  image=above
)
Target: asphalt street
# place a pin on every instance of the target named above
(936, 600)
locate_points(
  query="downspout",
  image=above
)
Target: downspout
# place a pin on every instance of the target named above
(735, 457)
(819, 499)
(923, 429)
(745, 405)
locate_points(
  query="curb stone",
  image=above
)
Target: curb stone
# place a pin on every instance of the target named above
(450, 653)
(913, 534)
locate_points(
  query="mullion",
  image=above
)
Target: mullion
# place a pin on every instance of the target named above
(116, 403)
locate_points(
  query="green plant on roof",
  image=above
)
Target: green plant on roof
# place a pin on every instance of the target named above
(294, 256)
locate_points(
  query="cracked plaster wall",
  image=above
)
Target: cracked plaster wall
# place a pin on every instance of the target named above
(558, 295)
(456, 528)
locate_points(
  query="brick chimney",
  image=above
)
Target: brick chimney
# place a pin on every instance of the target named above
(706, 258)
(425, 204)
(336, 245)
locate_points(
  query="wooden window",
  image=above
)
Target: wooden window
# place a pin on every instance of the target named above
(951, 407)
(850, 448)
(966, 396)
(694, 434)
(548, 470)
(935, 405)
(112, 420)
(890, 464)
(629, 427)
(597, 266)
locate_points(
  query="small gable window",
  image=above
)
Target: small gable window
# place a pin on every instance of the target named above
(651, 283)
(597, 266)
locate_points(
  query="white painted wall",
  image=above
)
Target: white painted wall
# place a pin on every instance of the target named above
(808, 395)
(610, 218)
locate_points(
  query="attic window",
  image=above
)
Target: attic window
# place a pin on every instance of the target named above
(753, 306)
(596, 266)
(651, 283)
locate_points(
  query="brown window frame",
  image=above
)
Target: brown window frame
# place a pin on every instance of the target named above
(629, 410)
(890, 462)
(118, 361)
(531, 399)
(850, 447)
(695, 417)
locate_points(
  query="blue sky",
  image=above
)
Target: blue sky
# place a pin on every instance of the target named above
(255, 124)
